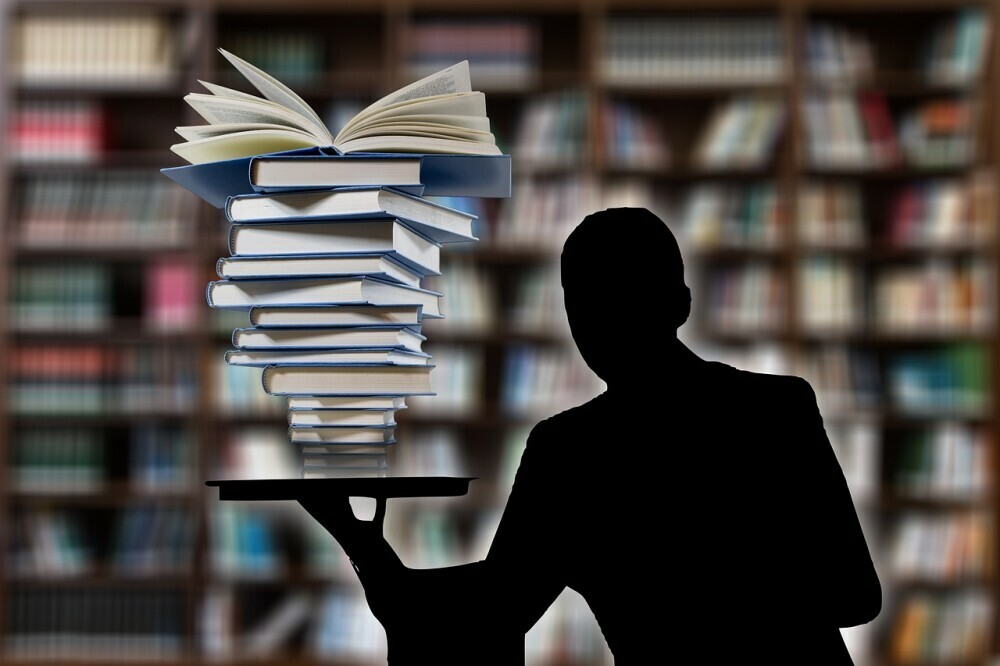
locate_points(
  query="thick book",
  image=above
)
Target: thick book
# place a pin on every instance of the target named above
(346, 380)
(354, 417)
(383, 266)
(311, 402)
(245, 294)
(265, 339)
(332, 316)
(372, 236)
(325, 357)
(435, 221)
(437, 114)
(374, 434)
(430, 175)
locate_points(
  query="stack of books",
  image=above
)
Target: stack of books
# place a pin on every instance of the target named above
(328, 249)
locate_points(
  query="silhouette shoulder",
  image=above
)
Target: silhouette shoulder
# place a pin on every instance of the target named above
(766, 386)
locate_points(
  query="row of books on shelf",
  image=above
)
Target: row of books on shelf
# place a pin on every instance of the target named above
(932, 547)
(698, 50)
(144, 540)
(57, 130)
(73, 47)
(842, 130)
(116, 209)
(77, 379)
(100, 209)
(952, 53)
(951, 627)
(947, 380)
(953, 212)
(934, 296)
(96, 379)
(630, 137)
(541, 214)
(104, 622)
(944, 460)
(651, 49)
(84, 296)
(858, 130)
(715, 215)
(502, 53)
(57, 460)
(932, 213)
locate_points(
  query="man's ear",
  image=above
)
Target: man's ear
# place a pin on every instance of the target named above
(682, 303)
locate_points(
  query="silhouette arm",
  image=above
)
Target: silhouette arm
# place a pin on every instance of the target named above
(503, 594)
(845, 586)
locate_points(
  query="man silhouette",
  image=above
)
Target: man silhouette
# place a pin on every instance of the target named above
(699, 509)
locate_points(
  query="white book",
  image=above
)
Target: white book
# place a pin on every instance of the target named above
(245, 294)
(382, 266)
(272, 339)
(344, 380)
(324, 357)
(344, 417)
(344, 237)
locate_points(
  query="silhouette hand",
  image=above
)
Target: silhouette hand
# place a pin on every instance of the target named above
(378, 567)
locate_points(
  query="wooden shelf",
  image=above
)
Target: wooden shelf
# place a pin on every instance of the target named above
(111, 87)
(102, 577)
(110, 494)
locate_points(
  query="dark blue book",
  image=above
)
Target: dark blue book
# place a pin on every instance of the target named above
(439, 223)
(440, 175)
(217, 181)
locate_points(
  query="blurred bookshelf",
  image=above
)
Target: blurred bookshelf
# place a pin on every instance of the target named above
(830, 168)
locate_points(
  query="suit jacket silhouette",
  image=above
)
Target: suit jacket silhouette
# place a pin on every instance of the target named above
(701, 512)
(699, 509)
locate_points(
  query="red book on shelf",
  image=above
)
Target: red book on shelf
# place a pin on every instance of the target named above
(905, 217)
(878, 128)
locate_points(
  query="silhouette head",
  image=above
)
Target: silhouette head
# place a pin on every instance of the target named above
(623, 284)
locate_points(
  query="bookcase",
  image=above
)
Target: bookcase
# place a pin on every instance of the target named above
(830, 169)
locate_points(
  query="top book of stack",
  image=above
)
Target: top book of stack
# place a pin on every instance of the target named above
(429, 138)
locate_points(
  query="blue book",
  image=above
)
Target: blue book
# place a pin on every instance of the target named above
(439, 223)
(217, 181)
(438, 175)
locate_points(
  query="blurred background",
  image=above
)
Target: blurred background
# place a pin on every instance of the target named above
(830, 169)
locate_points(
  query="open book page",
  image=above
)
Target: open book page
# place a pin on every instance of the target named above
(417, 144)
(222, 91)
(218, 110)
(454, 79)
(460, 104)
(423, 129)
(197, 132)
(448, 81)
(276, 91)
(241, 144)
(476, 123)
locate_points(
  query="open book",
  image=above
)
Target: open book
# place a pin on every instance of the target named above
(437, 114)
